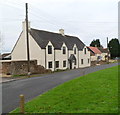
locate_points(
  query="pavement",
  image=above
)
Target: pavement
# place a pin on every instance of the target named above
(6, 79)
(35, 86)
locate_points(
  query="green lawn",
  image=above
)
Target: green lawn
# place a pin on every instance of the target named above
(93, 93)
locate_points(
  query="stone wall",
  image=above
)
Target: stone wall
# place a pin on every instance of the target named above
(21, 68)
(6, 67)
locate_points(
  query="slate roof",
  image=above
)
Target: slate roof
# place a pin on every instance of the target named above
(95, 50)
(43, 37)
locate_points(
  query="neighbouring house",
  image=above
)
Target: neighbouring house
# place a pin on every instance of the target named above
(5, 56)
(99, 53)
(105, 53)
(95, 53)
(52, 50)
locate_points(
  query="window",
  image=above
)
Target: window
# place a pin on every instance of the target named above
(88, 60)
(49, 64)
(64, 50)
(49, 49)
(81, 61)
(64, 63)
(74, 50)
(57, 64)
(85, 50)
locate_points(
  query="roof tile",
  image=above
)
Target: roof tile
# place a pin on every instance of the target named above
(43, 37)
(95, 50)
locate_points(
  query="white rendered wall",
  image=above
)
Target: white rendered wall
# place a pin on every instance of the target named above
(103, 56)
(59, 56)
(19, 51)
(36, 53)
(85, 58)
(50, 57)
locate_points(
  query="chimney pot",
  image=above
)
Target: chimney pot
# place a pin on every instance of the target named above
(61, 31)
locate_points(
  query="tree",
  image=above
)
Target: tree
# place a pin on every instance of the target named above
(95, 43)
(114, 47)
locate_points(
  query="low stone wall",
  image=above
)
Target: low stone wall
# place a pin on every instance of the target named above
(94, 63)
(6, 67)
(21, 68)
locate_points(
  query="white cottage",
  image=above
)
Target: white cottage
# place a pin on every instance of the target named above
(105, 53)
(95, 53)
(52, 50)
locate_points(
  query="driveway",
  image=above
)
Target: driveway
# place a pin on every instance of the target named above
(35, 86)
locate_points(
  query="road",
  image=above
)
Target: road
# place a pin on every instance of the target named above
(35, 86)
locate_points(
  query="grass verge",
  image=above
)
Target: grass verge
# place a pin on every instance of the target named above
(93, 93)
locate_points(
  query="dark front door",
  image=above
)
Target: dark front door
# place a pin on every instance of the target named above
(70, 64)
(71, 59)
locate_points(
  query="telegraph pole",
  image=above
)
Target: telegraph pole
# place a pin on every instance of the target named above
(108, 50)
(27, 37)
(107, 42)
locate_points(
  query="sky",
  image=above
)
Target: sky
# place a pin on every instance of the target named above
(86, 19)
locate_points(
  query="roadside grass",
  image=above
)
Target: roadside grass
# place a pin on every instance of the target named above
(26, 76)
(93, 93)
(36, 75)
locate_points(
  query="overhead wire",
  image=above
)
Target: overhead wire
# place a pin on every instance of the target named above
(46, 18)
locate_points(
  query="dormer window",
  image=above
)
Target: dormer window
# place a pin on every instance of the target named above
(49, 49)
(64, 50)
(85, 50)
(74, 50)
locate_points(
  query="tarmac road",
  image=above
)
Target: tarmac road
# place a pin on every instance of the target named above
(35, 86)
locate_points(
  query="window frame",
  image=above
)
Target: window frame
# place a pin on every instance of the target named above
(88, 60)
(85, 51)
(56, 62)
(64, 63)
(75, 50)
(82, 62)
(64, 50)
(49, 49)
(49, 64)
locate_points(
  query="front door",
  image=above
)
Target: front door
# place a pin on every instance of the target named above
(70, 64)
